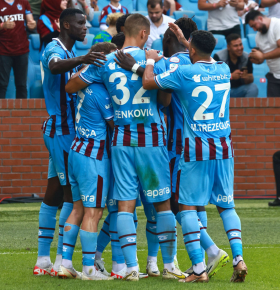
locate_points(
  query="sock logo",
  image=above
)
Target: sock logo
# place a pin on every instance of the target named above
(40, 233)
(131, 239)
(234, 234)
(162, 238)
(227, 199)
(64, 249)
(198, 236)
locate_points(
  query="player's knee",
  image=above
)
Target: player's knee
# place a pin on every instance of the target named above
(221, 209)
(162, 206)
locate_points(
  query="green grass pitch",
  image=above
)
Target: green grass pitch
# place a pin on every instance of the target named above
(260, 235)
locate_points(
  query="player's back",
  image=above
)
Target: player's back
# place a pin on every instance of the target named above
(94, 107)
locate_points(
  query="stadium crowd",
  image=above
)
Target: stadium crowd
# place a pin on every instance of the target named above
(38, 23)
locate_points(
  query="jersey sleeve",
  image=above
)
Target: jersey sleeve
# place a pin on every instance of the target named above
(103, 17)
(27, 8)
(53, 52)
(104, 103)
(91, 74)
(170, 79)
(160, 67)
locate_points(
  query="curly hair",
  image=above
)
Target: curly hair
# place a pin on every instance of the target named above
(203, 41)
(187, 25)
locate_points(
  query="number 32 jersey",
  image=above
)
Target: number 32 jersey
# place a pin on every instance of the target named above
(136, 115)
(204, 92)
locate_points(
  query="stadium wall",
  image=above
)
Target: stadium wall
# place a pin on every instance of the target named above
(24, 159)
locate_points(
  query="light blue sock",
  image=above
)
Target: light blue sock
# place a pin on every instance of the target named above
(205, 239)
(64, 214)
(232, 227)
(69, 241)
(89, 243)
(166, 235)
(151, 229)
(47, 221)
(117, 254)
(191, 234)
(178, 218)
(135, 219)
(127, 237)
(104, 237)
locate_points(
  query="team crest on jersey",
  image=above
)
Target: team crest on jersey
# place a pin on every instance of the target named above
(173, 67)
(19, 7)
(196, 78)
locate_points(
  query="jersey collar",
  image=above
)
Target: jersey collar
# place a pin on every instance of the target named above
(130, 48)
(207, 62)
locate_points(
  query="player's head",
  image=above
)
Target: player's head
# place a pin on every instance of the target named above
(155, 10)
(73, 23)
(256, 20)
(170, 41)
(105, 47)
(120, 22)
(118, 40)
(234, 44)
(137, 26)
(202, 44)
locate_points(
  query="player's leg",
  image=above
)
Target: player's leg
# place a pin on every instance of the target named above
(126, 193)
(222, 197)
(276, 169)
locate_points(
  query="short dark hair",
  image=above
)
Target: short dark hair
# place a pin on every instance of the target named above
(154, 3)
(105, 47)
(120, 22)
(252, 15)
(118, 40)
(134, 23)
(68, 13)
(232, 36)
(187, 25)
(203, 41)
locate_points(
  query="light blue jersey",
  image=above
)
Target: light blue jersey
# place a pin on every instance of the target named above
(60, 105)
(203, 90)
(137, 119)
(94, 108)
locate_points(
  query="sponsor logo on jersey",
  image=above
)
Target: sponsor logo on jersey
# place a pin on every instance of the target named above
(210, 127)
(14, 17)
(112, 65)
(85, 132)
(3, 9)
(133, 113)
(162, 238)
(216, 78)
(196, 78)
(19, 7)
(88, 198)
(131, 239)
(155, 193)
(227, 199)
(173, 67)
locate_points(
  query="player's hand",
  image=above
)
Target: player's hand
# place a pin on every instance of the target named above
(256, 56)
(57, 23)
(178, 32)
(9, 24)
(236, 75)
(93, 58)
(153, 54)
(222, 3)
(124, 60)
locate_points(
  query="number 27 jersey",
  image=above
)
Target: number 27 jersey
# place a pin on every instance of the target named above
(204, 93)
(136, 115)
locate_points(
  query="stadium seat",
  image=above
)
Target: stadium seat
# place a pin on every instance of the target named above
(94, 30)
(34, 46)
(141, 5)
(157, 44)
(241, 27)
(193, 6)
(259, 72)
(126, 3)
(82, 48)
(220, 43)
(251, 40)
(95, 20)
(145, 13)
(249, 30)
(246, 45)
(184, 13)
(200, 22)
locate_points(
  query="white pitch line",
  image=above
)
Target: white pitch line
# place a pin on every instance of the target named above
(141, 250)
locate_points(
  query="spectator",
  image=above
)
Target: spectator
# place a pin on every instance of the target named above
(248, 5)
(85, 6)
(48, 24)
(120, 23)
(240, 66)
(118, 40)
(273, 6)
(169, 6)
(276, 168)
(222, 16)
(106, 36)
(159, 21)
(113, 7)
(35, 8)
(14, 45)
(268, 48)
(94, 5)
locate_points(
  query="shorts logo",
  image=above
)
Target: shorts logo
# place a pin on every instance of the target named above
(155, 193)
(227, 199)
(131, 240)
(234, 234)
(162, 238)
(88, 198)
(61, 175)
(19, 7)
(112, 202)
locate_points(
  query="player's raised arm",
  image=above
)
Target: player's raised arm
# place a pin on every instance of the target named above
(148, 78)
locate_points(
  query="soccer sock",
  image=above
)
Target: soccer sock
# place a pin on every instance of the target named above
(135, 219)
(103, 238)
(178, 218)
(167, 237)
(191, 234)
(151, 230)
(127, 238)
(69, 242)
(117, 267)
(64, 214)
(232, 227)
(117, 253)
(89, 243)
(47, 221)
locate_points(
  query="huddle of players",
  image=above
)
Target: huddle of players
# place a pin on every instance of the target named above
(111, 97)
